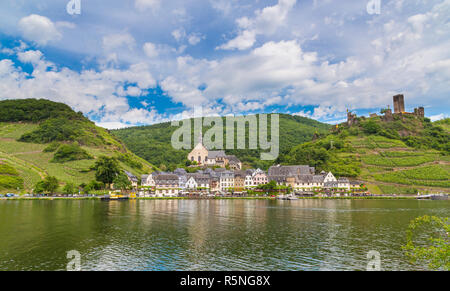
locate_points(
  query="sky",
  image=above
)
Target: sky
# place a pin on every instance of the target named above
(138, 62)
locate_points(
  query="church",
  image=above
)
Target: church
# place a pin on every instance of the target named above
(204, 157)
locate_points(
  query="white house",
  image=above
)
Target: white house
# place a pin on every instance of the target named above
(329, 178)
(148, 180)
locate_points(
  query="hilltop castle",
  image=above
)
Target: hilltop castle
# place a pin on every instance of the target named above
(399, 109)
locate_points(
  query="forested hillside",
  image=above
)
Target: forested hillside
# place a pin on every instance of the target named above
(153, 143)
(40, 138)
(406, 155)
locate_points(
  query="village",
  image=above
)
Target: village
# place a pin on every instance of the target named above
(222, 175)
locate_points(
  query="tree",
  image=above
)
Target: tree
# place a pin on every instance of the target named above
(69, 188)
(121, 182)
(428, 242)
(51, 184)
(48, 185)
(39, 188)
(106, 169)
(272, 185)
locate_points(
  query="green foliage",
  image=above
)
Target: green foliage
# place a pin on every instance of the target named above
(121, 182)
(52, 147)
(56, 122)
(272, 185)
(106, 169)
(70, 152)
(309, 155)
(427, 242)
(129, 160)
(56, 129)
(380, 160)
(33, 110)
(434, 175)
(33, 160)
(371, 127)
(153, 143)
(444, 124)
(49, 185)
(388, 189)
(9, 177)
(6, 169)
(92, 186)
(11, 182)
(324, 154)
(69, 188)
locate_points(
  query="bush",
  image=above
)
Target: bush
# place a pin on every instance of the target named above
(69, 188)
(59, 129)
(52, 147)
(48, 185)
(92, 186)
(70, 152)
(371, 127)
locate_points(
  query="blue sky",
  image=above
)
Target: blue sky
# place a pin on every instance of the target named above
(134, 62)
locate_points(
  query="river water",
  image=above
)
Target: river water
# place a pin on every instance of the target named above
(208, 234)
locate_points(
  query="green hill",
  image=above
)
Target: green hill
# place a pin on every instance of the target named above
(403, 156)
(40, 138)
(153, 143)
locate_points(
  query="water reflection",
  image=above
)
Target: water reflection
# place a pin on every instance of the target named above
(207, 234)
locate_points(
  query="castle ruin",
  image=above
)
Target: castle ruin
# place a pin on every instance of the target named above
(399, 110)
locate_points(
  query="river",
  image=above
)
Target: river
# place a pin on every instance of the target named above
(208, 234)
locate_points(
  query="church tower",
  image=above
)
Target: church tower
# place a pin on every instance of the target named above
(199, 154)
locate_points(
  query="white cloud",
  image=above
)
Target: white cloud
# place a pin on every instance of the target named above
(266, 21)
(195, 38)
(143, 5)
(118, 40)
(243, 41)
(98, 93)
(38, 29)
(179, 34)
(30, 56)
(438, 117)
(113, 125)
(150, 50)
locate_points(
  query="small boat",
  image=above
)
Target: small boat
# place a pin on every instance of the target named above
(115, 197)
(434, 197)
(292, 198)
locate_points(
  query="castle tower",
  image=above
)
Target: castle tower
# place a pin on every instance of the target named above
(399, 103)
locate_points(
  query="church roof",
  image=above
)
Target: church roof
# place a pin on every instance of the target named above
(216, 154)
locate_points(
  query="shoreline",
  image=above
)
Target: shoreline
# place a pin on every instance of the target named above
(211, 198)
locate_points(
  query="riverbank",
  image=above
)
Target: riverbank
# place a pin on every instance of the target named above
(214, 198)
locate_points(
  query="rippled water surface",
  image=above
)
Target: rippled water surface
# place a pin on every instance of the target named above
(208, 235)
